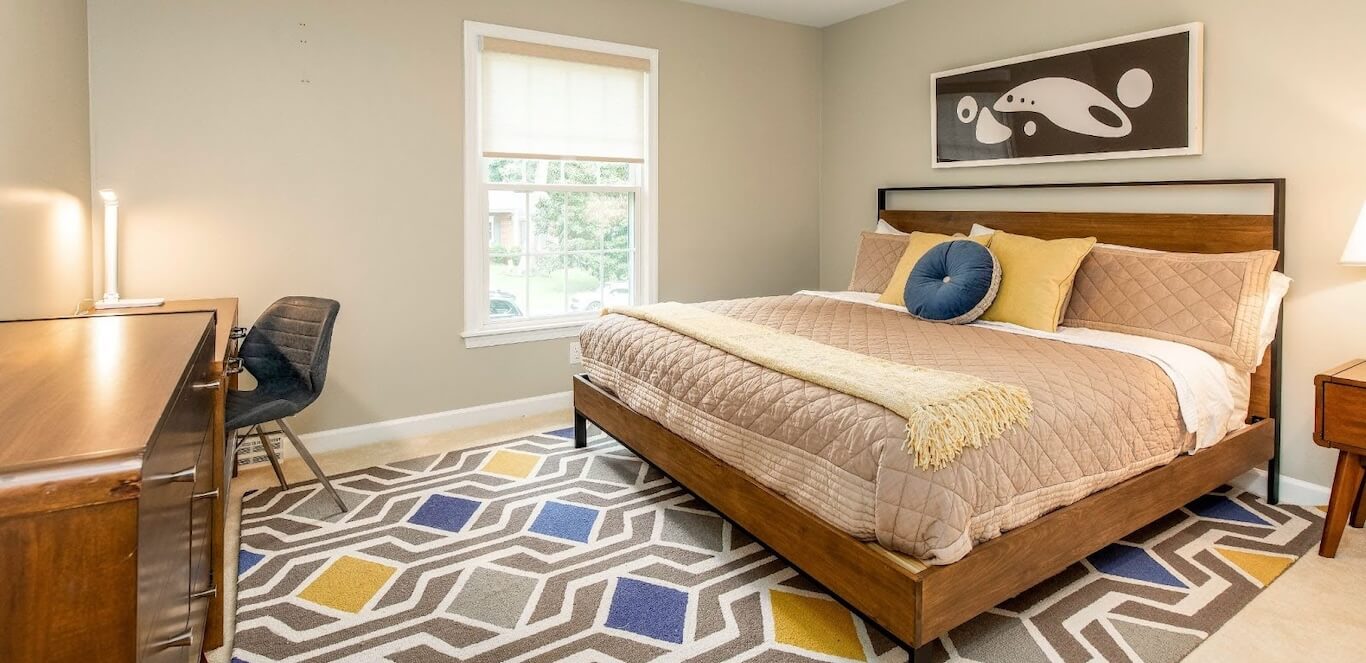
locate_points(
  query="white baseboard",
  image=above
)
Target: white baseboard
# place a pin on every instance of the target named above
(436, 422)
(1293, 491)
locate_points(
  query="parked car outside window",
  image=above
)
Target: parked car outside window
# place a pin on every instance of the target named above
(612, 294)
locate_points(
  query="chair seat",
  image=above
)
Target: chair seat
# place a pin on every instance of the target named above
(248, 408)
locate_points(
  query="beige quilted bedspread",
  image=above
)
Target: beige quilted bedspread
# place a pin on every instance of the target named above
(1100, 416)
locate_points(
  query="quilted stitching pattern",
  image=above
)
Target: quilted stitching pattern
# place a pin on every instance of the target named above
(877, 257)
(1213, 302)
(1099, 417)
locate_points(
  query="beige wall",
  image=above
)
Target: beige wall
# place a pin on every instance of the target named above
(238, 179)
(1284, 98)
(44, 158)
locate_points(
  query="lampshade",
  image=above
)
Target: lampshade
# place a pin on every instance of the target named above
(1355, 253)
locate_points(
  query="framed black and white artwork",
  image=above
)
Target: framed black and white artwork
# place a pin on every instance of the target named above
(1133, 96)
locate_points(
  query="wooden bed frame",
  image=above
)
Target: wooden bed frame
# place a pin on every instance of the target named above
(917, 603)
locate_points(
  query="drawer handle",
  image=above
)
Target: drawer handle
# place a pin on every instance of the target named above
(206, 495)
(207, 386)
(237, 333)
(183, 640)
(183, 476)
(232, 366)
(205, 594)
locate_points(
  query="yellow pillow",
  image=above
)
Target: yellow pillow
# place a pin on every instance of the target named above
(916, 247)
(1036, 278)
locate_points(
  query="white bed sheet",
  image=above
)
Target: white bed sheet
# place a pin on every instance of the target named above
(1212, 394)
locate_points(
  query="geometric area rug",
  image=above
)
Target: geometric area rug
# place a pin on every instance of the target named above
(531, 550)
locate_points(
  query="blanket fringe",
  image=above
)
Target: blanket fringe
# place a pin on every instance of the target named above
(943, 430)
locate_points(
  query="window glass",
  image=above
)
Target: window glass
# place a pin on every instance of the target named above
(561, 231)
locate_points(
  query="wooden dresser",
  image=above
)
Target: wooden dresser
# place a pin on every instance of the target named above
(107, 486)
(227, 366)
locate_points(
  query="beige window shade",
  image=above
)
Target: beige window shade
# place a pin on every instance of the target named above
(513, 47)
(550, 102)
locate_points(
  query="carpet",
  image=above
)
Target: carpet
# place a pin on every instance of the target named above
(533, 550)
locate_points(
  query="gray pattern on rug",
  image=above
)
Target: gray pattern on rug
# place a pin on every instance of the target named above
(531, 550)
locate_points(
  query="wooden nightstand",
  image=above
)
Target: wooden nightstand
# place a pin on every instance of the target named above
(1340, 423)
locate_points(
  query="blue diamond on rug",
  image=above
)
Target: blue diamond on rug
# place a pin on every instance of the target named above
(445, 512)
(649, 610)
(247, 559)
(566, 433)
(565, 521)
(1124, 561)
(1223, 508)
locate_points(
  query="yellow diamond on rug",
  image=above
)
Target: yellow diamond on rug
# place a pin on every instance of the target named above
(815, 624)
(1264, 568)
(348, 584)
(515, 464)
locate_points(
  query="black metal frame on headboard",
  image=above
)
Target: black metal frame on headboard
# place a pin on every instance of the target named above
(1273, 470)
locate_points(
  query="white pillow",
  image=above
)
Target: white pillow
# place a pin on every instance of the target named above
(884, 228)
(1275, 292)
(1276, 289)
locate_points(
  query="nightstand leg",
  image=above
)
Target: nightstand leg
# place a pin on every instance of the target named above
(1346, 484)
(1359, 511)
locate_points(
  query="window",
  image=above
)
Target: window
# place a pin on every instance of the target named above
(560, 181)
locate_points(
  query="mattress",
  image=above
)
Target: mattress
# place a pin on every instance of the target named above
(1102, 413)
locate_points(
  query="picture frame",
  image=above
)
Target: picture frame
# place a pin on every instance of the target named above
(1133, 96)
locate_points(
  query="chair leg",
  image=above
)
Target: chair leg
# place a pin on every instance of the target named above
(270, 454)
(312, 464)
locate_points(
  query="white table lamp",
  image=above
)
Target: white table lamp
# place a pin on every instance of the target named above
(1355, 253)
(111, 259)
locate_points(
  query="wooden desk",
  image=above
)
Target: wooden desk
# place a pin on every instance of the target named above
(1340, 423)
(224, 353)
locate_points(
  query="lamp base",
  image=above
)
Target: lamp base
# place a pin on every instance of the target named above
(129, 303)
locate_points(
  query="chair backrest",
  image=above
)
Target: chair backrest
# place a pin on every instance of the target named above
(287, 349)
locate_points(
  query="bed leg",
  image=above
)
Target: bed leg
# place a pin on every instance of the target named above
(1273, 480)
(924, 653)
(580, 430)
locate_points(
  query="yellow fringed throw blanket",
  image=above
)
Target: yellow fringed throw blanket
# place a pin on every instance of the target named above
(945, 412)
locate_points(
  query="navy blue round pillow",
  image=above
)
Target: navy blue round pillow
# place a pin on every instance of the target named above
(954, 283)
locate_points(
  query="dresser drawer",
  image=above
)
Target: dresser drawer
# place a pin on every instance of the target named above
(1343, 415)
(175, 466)
(203, 585)
(186, 426)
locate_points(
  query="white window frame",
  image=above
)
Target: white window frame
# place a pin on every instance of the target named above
(479, 330)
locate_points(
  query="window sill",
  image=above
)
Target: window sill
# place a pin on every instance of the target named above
(484, 338)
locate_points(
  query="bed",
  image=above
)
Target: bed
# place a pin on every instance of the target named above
(807, 470)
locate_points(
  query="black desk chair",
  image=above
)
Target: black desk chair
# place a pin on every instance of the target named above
(286, 351)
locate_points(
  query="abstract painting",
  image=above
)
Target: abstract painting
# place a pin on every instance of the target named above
(1134, 96)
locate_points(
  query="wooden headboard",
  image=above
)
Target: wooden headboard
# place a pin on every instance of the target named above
(1187, 232)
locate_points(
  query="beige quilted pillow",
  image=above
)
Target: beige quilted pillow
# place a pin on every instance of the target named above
(876, 260)
(1210, 301)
